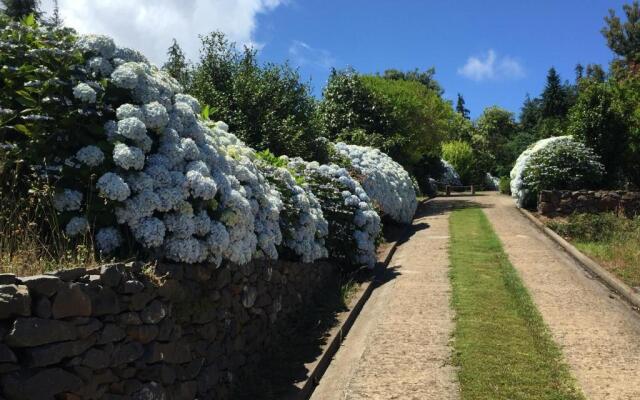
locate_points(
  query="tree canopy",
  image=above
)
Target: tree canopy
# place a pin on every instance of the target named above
(624, 37)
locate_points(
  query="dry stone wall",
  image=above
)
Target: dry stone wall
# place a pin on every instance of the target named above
(136, 331)
(565, 202)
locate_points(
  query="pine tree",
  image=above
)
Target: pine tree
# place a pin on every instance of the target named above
(579, 72)
(624, 38)
(56, 20)
(530, 114)
(554, 97)
(18, 9)
(460, 107)
(596, 72)
(176, 64)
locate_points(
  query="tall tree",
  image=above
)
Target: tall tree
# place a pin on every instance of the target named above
(554, 96)
(624, 38)
(424, 77)
(596, 72)
(496, 127)
(579, 72)
(176, 64)
(599, 120)
(460, 108)
(56, 20)
(18, 9)
(267, 105)
(530, 113)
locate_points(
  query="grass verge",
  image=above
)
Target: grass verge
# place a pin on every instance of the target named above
(609, 239)
(502, 347)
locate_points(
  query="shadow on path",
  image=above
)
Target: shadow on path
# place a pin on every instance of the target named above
(303, 336)
(300, 342)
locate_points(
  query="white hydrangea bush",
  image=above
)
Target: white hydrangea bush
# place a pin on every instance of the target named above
(449, 174)
(354, 225)
(184, 190)
(518, 190)
(155, 176)
(384, 180)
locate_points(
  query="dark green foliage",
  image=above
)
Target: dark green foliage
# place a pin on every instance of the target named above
(177, 65)
(42, 125)
(629, 94)
(424, 77)
(38, 117)
(505, 185)
(596, 72)
(588, 226)
(554, 98)
(512, 149)
(429, 166)
(579, 72)
(546, 116)
(598, 120)
(496, 127)
(624, 37)
(530, 113)
(460, 108)
(349, 105)
(18, 9)
(267, 106)
(56, 20)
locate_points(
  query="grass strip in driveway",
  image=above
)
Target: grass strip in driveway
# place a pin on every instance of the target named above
(503, 349)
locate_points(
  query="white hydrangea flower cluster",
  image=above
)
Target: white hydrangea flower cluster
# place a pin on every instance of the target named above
(67, 200)
(90, 155)
(491, 182)
(366, 220)
(302, 222)
(450, 175)
(384, 180)
(517, 184)
(77, 226)
(84, 93)
(108, 239)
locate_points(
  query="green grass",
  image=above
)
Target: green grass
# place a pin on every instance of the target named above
(610, 240)
(622, 257)
(502, 347)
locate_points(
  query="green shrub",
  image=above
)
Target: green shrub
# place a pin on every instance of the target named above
(404, 118)
(600, 121)
(505, 185)
(591, 227)
(461, 156)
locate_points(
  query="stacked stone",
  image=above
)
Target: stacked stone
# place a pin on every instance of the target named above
(566, 202)
(148, 332)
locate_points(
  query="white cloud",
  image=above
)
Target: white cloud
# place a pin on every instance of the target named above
(302, 54)
(491, 66)
(150, 25)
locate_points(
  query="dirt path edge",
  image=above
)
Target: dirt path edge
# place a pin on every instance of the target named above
(318, 367)
(613, 282)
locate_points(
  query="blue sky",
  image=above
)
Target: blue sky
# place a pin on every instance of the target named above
(491, 51)
(523, 38)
